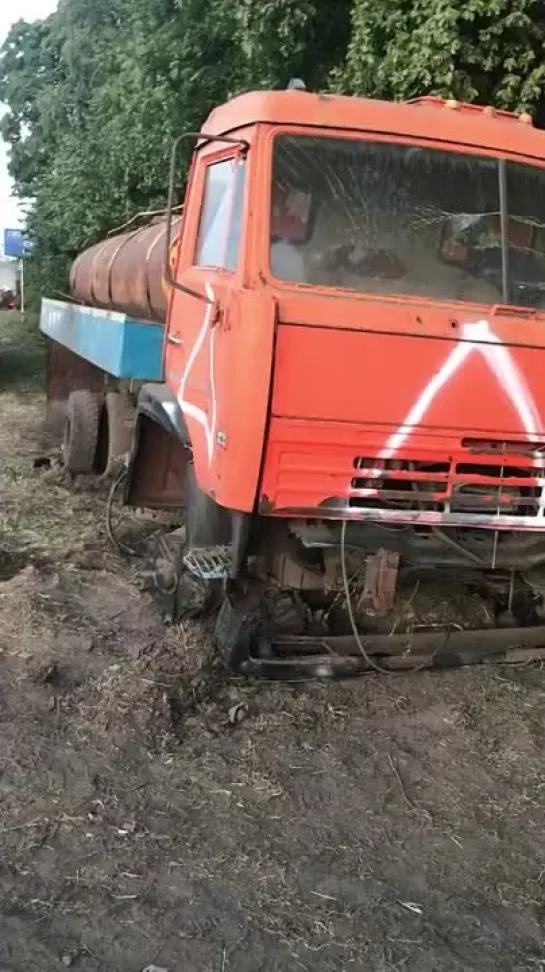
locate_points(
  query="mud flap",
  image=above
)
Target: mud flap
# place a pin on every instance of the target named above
(238, 630)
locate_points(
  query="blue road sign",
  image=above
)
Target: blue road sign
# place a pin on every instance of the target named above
(16, 243)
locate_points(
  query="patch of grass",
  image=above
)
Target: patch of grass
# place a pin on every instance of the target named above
(41, 512)
(22, 351)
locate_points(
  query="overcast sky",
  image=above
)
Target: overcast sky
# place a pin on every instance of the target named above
(9, 13)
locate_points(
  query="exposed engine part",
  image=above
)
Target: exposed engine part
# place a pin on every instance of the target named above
(288, 612)
(426, 547)
(296, 570)
(434, 620)
(380, 580)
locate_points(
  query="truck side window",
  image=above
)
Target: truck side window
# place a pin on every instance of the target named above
(218, 243)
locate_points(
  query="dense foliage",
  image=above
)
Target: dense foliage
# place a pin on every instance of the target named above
(477, 50)
(96, 93)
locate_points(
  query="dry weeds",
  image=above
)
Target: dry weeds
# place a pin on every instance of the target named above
(388, 824)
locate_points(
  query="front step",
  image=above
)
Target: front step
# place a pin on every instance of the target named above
(209, 563)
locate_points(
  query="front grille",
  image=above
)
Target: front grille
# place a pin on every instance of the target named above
(503, 479)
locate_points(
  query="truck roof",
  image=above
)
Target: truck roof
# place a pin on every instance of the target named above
(429, 117)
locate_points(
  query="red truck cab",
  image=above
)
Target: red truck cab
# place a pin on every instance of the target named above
(364, 331)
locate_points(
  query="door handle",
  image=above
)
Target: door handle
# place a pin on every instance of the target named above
(174, 340)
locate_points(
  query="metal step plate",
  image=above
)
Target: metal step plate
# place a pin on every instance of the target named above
(209, 563)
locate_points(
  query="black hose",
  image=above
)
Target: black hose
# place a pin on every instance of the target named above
(123, 548)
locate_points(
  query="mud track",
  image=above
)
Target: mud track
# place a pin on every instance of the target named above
(389, 824)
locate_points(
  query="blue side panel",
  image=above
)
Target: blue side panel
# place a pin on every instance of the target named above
(143, 344)
(122, 347)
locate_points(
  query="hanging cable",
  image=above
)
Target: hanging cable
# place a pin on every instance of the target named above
(124, 548)
(129, 551)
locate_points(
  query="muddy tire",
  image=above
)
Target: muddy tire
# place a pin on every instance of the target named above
(81, 431)
(120, 418)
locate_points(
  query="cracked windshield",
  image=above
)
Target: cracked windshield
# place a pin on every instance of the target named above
(398, 219)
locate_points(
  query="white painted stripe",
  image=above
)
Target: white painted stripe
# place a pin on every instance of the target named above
(428, 396)
(188, 408)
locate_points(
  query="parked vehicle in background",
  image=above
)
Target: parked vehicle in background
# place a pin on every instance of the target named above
(8, 299)
(8, 283)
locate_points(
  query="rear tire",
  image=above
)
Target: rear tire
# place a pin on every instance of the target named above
(120, 419)
(81, 431)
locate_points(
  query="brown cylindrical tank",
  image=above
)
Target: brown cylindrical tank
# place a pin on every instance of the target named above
(125, 272)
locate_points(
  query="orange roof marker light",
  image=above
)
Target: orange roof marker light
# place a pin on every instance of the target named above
(435, 101)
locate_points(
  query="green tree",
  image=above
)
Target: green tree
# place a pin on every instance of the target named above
(281, 39)
(489, 51)
(97, 93)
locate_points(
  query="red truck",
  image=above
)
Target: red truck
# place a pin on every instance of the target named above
(353, 404)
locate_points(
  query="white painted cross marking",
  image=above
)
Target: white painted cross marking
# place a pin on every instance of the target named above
(501, 364)
(188, 408)
(477, 338)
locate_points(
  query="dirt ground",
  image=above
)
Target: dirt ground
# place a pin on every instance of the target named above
(389, 824)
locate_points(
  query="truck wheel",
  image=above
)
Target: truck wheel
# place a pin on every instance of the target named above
(81, 431)
(120, 418)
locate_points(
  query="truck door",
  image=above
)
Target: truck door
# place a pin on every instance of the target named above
(218, 355)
